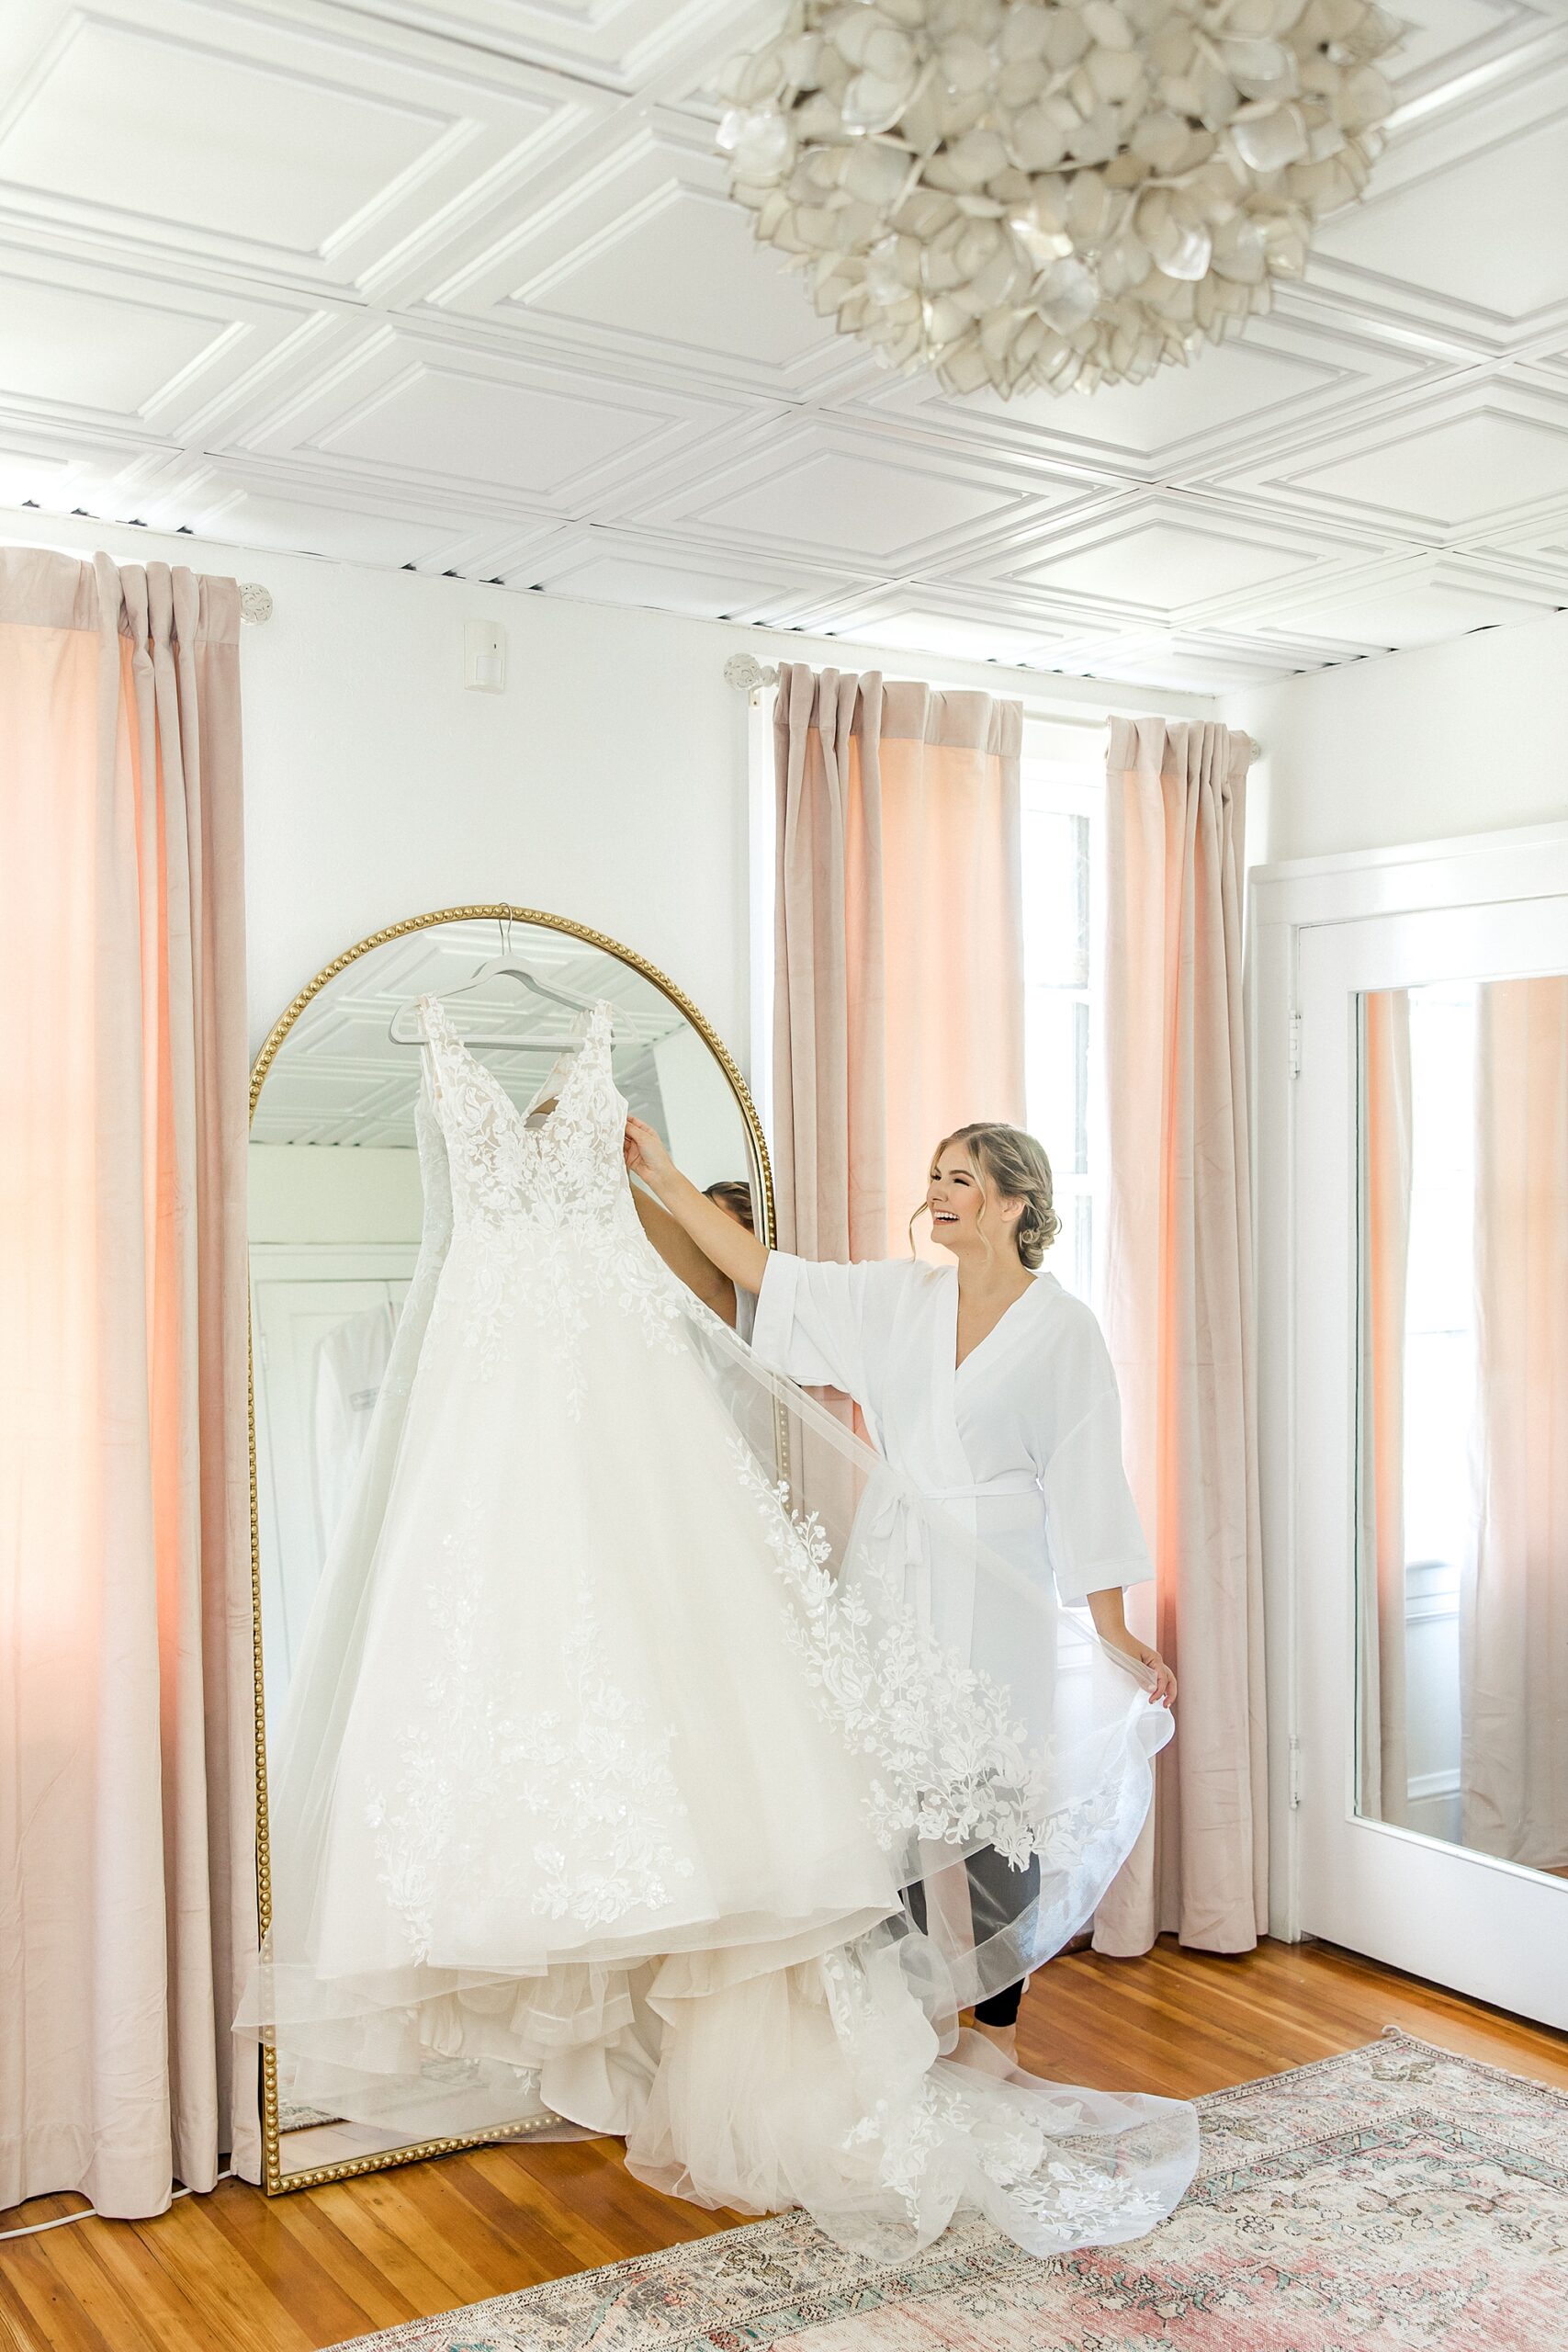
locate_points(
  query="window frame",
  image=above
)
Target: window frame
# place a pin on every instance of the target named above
(1076, 787)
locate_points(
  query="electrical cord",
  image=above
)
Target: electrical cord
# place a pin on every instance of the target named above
(90, 2214)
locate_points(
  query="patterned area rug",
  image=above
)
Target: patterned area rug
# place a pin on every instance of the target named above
(1392, 2198)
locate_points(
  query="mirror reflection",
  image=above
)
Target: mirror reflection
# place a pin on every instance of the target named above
(335, 1215)
(1463, 1545)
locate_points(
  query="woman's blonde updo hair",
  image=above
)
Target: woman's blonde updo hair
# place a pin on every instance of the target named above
(1014, 1165)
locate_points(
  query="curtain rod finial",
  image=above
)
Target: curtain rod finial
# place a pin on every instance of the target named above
(256, 601)
(742, 671)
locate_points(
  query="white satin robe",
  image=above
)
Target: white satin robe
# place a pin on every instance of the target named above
(1022, 1443)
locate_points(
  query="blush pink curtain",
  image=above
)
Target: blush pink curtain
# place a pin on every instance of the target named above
(1514, 1598)
(898, 1008)
(127, 1862)
(1178, 1317)
(1387, 1166)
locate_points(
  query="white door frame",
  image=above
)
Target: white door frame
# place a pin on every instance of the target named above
(278, 1419)
(1286, 902)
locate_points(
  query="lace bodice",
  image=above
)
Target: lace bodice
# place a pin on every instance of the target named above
(568, 1170)
(543, 1221)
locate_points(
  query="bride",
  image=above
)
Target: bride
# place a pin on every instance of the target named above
(988, 1383)
(659, 1751)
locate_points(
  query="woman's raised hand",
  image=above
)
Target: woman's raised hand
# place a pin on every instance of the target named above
(645, 1155)
(722, 1238)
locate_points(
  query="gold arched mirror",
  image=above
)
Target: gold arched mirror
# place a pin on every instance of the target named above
(335, 1212)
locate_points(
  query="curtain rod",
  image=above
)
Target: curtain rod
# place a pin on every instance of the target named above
(748, 676)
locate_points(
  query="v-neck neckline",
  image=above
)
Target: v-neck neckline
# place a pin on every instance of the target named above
(961, 1363)
(506, 1108)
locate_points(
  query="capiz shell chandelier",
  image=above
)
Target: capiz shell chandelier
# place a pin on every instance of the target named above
(1053, 192)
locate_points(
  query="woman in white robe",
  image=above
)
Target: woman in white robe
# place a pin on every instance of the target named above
(984, 1382)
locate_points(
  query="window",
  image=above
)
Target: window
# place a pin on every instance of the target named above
(1061, 805)
(1439, 1312)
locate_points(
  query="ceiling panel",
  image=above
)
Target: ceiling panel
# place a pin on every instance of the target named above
(129, 350)
(1447, 38)
(78, 348)
(646, 256)
(614, 568)
(1538, 552)
(292, 154)
(823, 487)
(1452, 230)
(1468, 470)
(1209, 663)
(257, 516)
(935, 624)
(456, 283)
(624, 44)
(1164, 557)
(300, 153)
(1255, 392)
(1165, 564)
(406, 408)
(56, 472)
(1463, 463)
(678, 268)
(842, 499)
(1421, 608)
(520, 437)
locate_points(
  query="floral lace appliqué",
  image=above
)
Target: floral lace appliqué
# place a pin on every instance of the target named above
(1071, 2185)
(600, 1793)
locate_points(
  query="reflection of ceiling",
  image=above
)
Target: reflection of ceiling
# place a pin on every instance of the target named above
(454, 285)
(339, 1079)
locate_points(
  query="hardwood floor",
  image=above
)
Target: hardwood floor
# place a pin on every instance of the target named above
(255, 2274)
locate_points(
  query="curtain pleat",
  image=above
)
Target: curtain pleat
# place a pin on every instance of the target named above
(1178, 1317)
(899, 1005)
(1514, 1593)
(127, 1855)
(1387, 1168)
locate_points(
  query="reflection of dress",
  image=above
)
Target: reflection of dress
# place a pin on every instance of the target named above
(350, 1364)
(309, 1729)
(619, 1790)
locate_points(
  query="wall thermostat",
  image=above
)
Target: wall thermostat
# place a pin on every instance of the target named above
(484, 657)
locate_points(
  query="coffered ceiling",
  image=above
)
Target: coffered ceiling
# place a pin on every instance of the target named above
(455, 284)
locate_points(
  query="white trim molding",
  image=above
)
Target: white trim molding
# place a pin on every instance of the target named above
(1285, 903)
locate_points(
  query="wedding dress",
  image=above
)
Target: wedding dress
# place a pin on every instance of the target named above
(616, 1747)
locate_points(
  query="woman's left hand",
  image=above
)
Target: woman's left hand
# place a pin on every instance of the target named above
(645, 1155)
(1147, 1664)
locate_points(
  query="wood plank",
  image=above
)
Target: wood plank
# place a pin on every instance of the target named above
(190, 2246)
(240, 2272)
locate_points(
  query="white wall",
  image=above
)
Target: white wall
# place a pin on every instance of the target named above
(608, 783)
(1448, 738)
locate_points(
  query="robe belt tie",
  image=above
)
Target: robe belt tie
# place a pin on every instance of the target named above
(1010, 1482)
(900, 1527)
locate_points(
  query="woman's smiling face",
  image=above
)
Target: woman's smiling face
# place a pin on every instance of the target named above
(953, 1196)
